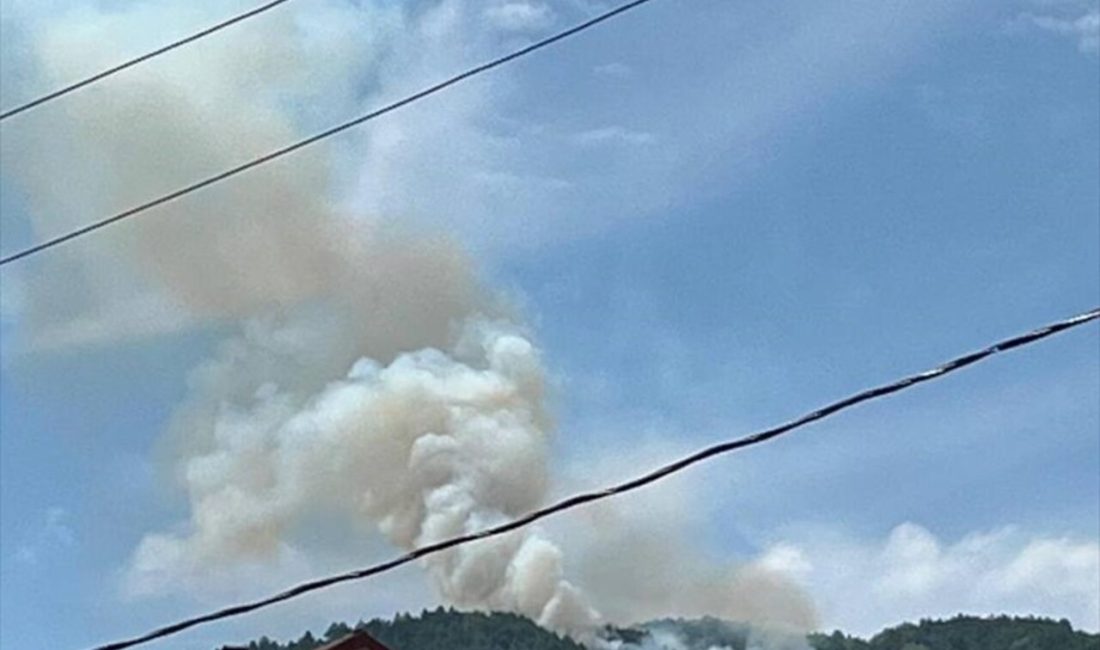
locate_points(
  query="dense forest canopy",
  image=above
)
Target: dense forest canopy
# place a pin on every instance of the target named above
(969, 633)
(447, 629)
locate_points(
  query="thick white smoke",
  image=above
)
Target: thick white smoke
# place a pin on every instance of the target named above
(371, 377)
(431, 445)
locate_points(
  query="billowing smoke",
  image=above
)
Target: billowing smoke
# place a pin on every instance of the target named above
(431, 445)
(373, 379)
(367, 375)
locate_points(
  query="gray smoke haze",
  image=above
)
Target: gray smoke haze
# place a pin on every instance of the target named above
(646, 558)
(270, 239)
(662, 575)
(370, 374)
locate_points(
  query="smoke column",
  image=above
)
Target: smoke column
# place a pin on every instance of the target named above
(373, 378)
(433, 444)
(366, 373)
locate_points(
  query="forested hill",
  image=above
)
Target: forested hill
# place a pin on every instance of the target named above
(450, 630)
(969, 633)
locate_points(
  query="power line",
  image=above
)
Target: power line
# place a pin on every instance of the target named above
(622, 488)
(140, 59)
(485, 67)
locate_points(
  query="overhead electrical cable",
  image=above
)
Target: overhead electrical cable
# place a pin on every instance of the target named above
(99, 76)
(256, 162)
(622, 488)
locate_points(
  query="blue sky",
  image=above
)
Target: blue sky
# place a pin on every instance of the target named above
(712, 216)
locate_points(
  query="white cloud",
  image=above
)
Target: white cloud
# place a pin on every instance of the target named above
(863, 586)
(613, 135)
(787, 559)
(51, 534)
(520, 16)
(1084, 29)
(429, 163)
(615, 69)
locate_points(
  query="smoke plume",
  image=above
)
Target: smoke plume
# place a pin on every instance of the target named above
(373, 378)
(367, 373)
(431, 445)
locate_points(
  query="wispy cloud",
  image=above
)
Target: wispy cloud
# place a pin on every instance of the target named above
(51, 533)
(520, 16)
(615, 69)
(614, 135)
(1083, 28)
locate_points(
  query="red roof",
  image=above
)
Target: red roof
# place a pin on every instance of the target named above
(355, 641)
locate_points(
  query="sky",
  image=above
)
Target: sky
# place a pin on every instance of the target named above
(711, 216)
